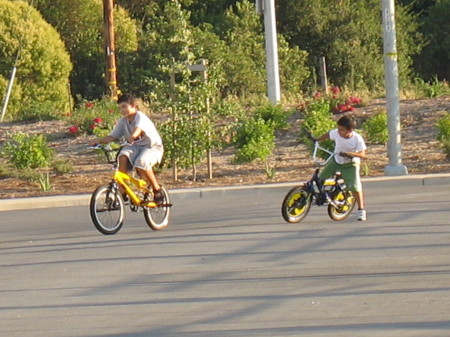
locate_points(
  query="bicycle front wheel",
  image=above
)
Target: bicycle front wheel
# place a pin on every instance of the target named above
(107, 210)
(158, 217)
(343, 204)
(296, 204)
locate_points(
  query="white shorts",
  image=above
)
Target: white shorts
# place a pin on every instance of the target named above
(142, 157)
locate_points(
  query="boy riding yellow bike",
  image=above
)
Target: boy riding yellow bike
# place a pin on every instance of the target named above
(145, 149)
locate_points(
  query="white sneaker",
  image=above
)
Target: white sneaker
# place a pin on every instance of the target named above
(362, 215)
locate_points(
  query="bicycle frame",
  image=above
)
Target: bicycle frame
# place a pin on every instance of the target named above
(122, 178)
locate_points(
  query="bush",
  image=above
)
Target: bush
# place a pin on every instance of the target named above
(28, 151)
(375, 128)
(317, 121)
(254, 139)
(443, 125)
(274, 114)
(44, 65)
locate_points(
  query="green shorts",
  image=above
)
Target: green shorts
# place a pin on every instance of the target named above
(350, 173)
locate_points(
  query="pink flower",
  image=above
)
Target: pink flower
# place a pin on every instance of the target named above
(317, 94)
(73, 130)
(98, 120)
(89, 104)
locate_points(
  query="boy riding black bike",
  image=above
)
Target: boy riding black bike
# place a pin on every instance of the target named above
(349, 149)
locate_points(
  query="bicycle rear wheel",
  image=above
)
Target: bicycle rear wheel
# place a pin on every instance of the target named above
(107, 210)
(158, 217)
(344, 202)
(296, 204)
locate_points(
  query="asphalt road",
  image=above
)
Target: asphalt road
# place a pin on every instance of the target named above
(228, 265)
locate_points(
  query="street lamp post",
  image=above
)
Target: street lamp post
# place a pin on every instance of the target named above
(395, 166)
(267, 7)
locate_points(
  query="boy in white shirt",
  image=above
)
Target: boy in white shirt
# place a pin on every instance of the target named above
(146, 149)
(349, 149)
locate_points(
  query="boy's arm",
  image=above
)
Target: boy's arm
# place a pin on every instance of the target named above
(325, 136)
(359, 154)
(134, 135)
(103, 140)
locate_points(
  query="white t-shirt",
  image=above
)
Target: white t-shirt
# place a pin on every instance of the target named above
(353, 144)
(124, 129)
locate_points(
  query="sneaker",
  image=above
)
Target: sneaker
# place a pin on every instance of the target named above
(362, 215)
(158, 196)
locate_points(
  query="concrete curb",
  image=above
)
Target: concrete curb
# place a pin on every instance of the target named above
(83, 199)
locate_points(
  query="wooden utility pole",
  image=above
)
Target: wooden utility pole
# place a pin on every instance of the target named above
(108, 23)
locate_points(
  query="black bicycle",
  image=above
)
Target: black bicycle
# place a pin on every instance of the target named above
(331, 192)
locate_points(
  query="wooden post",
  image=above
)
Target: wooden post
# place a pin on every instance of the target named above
(323, 74)
(202, 68)
(174, 128)
(209, 157)
(108, 21)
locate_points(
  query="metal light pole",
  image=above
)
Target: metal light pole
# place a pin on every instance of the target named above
(395, 166)
(108, 20)
(267, 7)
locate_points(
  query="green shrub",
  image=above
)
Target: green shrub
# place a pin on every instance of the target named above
(28, 151)
(432, 89)
(317, 121)
(275, 114)
(254, 139)
(43, 67)
(443, 125)
(375, 128)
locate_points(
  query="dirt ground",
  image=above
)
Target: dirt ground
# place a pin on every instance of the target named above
(291, 161)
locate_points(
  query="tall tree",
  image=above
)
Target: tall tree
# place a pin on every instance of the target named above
(80, 23)
(43, 64)
(348, 34)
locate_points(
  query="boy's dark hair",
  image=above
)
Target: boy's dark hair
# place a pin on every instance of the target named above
(347, 122)
(127, 98)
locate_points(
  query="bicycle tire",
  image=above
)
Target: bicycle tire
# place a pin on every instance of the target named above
(107, 210)
(157, 218)
(296, 204)
(345, 202)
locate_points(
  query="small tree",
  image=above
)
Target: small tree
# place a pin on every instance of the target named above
(43, 64)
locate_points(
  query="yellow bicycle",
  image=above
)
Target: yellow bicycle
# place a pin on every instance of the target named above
(107, 206)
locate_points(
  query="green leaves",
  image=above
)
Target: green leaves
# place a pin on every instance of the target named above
(376, 128)
(43, 67)
(255, 138)
(28, 151)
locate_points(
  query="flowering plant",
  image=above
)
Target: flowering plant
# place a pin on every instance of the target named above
(93, 118)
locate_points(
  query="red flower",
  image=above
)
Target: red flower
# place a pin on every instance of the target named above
(89, 104)
(92, 126)
(317, 94)
(98, 120)
(335, 90)
(73, 130)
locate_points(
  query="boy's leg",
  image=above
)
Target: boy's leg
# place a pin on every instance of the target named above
(149, 177)
(359, 199)
(124, 165)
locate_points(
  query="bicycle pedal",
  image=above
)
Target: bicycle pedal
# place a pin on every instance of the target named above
(151, 204)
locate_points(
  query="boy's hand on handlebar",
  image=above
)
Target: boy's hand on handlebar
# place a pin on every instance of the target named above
(346, 154)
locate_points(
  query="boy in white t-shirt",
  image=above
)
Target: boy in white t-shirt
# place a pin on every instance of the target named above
(146, 149)
(349, 149)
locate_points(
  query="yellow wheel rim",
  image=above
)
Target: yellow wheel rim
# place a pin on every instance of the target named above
(296, 211)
